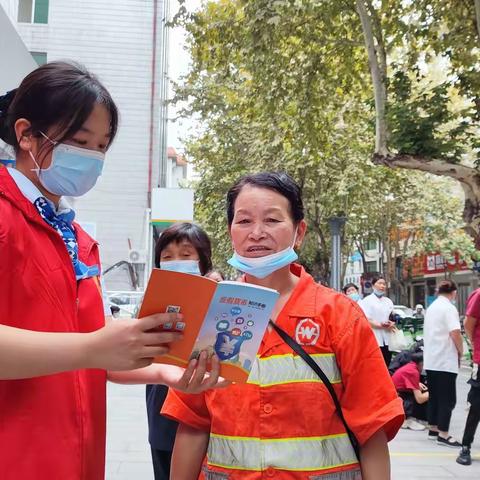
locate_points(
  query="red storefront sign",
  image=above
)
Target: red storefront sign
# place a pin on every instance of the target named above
(435, 263)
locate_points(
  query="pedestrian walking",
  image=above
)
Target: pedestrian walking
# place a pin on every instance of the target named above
(472, 329)
(56, 350)
(443, 349)
(378, 308)
(283, 423)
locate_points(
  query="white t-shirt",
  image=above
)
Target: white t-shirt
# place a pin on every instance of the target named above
(378, 309)
(439, 351)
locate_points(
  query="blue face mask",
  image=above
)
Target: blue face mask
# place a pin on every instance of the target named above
(182, 266)
(261, 267)
(73, 170)
(378, 293)
(354, 296)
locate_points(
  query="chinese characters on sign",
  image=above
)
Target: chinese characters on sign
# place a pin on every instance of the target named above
(241, 301)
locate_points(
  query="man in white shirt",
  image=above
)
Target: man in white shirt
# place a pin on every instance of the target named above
(377, 308)
(443, 348)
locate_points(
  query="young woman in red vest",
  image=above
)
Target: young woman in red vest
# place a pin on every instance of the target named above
(56, 352)
(283, 423)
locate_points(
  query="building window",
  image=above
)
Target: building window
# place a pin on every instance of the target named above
(39, 57)
(371, 266)
(371, 245)
(33, 11)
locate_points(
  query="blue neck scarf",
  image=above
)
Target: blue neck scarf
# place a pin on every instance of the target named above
(62, 223)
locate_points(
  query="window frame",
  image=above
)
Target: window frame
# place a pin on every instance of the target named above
(33, 53)
(33, 13)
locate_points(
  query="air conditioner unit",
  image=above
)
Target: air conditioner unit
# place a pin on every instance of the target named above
(137, 256)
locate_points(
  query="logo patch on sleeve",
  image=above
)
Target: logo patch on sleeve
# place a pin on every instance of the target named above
(307, 332)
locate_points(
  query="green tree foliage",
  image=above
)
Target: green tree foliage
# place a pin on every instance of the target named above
(285, 85)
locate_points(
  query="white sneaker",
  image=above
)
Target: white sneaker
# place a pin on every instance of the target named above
(412, 424)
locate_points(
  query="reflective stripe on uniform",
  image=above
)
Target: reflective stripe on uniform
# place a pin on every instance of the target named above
(295, 454)
(280, 369)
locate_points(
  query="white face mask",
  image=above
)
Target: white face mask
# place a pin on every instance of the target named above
(73, 171)
(183, 266)
(261, 267)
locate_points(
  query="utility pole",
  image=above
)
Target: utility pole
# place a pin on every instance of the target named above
(163, 90)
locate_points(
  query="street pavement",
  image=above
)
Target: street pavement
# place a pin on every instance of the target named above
(413, 456)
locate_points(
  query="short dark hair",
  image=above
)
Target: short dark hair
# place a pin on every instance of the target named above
(376, 278)
(417, 357)
(59, 94)
(192, 233)
(349, 285)
(447, 286)
(280, 182)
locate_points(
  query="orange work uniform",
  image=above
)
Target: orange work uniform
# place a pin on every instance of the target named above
(282, 424)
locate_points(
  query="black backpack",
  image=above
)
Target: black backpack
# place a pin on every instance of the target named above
(404, 357)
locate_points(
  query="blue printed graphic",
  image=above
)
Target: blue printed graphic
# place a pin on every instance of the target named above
(227, 345)
(222, 325)
(235, 323)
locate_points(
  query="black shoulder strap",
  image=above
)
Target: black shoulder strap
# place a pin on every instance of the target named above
(313, 365)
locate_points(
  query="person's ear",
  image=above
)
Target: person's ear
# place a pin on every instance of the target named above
(23, 134)
(301, 231)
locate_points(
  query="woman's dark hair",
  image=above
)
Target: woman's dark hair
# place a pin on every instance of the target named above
(349, 285)
(417, 357)
(280, 182)
(376, 278)
(57, 94)
(447, 286)
(179, 232)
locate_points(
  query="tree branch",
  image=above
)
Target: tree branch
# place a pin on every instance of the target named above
(468, 177)
(462, 173)
(379, 82)
(378, 35)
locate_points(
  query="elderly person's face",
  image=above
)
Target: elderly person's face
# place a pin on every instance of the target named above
(263, 224)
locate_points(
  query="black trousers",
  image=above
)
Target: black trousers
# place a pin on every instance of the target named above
(161, 464)
(387, 354)
(411, 407)
(473, 418)
(442, 398)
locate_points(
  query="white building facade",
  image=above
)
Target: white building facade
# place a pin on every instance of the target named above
(355, 271)
(124, 43)
(176, 169)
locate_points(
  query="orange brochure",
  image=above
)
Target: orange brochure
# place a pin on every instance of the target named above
(228, 319)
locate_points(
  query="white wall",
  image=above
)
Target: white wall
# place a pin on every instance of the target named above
(15, 60)
(175, 174)
(114, 40)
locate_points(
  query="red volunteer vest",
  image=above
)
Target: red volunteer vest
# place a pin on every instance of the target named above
(51, 427)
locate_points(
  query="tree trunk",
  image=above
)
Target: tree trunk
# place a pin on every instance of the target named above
(322, 263)
(379, 77)
(361, 250)
(468, 177)
(477, 14)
